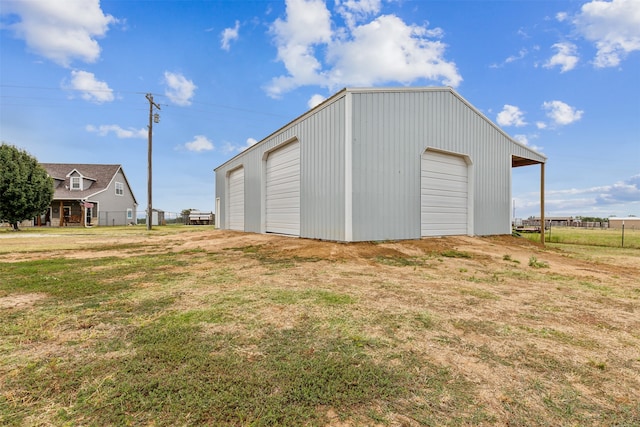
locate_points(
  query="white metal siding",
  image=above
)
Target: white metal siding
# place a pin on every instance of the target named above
(392, 129)
(236, 199)
(386, 168)
(444, 195)
(283, 190)
(322, 169)
(375, 193)
(217, 214)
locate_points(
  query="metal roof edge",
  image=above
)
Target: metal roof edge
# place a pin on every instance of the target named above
(341, 93)
(495, 126)
(398, 89)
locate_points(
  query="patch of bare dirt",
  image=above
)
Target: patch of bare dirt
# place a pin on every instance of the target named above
(20, 301)
(487, 250)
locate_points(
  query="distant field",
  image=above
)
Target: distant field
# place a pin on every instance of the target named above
(193, 326)
(590, 236)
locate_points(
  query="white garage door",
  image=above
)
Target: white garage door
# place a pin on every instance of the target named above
(236, 200)
(444, 195)
(283, 190)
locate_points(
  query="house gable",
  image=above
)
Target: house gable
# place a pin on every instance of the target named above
(79, 182)
(119, 184)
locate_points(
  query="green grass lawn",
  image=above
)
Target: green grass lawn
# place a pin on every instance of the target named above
(134, 358)
(590, 237)
(145, 330)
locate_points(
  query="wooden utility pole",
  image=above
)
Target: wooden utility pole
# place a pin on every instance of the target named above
(149, 162)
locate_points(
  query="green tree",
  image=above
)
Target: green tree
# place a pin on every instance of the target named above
(26, 190)
(592, 219)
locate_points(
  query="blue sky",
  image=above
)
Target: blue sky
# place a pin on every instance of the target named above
(560, 76)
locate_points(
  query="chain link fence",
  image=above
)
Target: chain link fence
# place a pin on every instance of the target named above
(115, 219)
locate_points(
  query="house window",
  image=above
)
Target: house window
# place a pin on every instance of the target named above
(119, 189)
(129, 213)
(75, 183)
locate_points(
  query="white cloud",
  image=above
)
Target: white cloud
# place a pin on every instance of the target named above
(522, 53)
(622, 198)
(92, 90)
(308, 22)
(619, 192)
(565, 57)
(180, 90)
(104, 130)
(315, 100)
(613, 26)
(296, 43)
(383, 50)
(386, 50)
(60, 30)
(353, 11)
(561, 113)
(524, 139)
(521, 139)
(561, 16)
(541, 125)
(230, 147)
(199, 143)
(510, 116)
(228, 35)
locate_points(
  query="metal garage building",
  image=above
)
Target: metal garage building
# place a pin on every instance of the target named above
(377, 164)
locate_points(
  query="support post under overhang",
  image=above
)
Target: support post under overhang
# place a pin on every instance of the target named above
(542, 228)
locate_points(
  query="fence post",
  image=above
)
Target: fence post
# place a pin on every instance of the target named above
(623, 234)
(549, 231)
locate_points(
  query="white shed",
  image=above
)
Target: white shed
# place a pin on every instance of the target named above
(377, 164)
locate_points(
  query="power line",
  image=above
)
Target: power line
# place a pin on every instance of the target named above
(66, 89)
(58, 89)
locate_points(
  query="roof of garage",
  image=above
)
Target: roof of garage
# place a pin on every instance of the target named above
(535, 158)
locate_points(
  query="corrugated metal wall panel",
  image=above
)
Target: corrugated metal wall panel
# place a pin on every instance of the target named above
(322, 173)
(321, 137)
(384, 206)
(392, 131)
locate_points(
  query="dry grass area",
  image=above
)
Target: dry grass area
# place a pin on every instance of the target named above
(493, 330)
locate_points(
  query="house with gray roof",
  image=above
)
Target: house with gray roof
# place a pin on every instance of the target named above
(89, 194)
